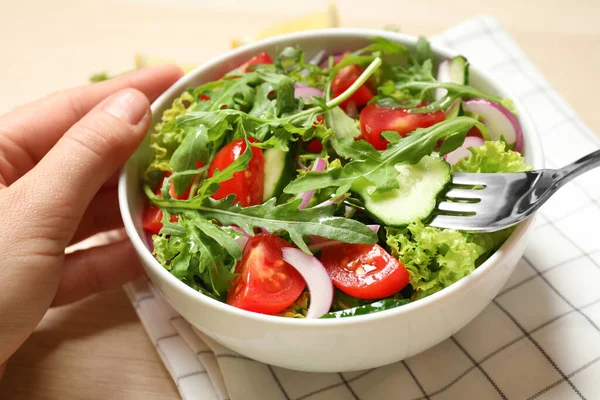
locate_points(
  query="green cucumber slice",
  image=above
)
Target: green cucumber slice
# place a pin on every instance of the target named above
(279, 170)
(420, 185)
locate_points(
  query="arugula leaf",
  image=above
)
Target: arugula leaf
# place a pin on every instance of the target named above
(236, 93)
(194, 147)
(196, 250)
(344, 129)
(376, 306)
(384, 46)
(263, 107)
(291, 62)
(285, 218)
(423, 51)
(284, 88)
(378, 168)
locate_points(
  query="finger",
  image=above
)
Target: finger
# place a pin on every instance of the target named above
(113, 181)
(70, 175)
(97, 269)
(101, 215)
(36, 127)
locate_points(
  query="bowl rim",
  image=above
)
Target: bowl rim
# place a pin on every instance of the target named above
(441, 296)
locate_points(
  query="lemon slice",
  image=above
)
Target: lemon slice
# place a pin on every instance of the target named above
(318, 20)
(144, 61)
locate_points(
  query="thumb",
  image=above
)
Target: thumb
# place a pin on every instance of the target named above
(88, 154)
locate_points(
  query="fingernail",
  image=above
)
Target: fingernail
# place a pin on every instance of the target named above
(128, 105)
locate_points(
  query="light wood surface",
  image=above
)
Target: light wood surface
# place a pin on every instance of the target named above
(97, 349)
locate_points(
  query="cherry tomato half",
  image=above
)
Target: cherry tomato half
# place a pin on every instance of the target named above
(474, 131)
(265, 283)
(314, 146)
(365, 271)
(262, 58)
(247, 185)
(152, 219)
(375, 119)
(344, 79)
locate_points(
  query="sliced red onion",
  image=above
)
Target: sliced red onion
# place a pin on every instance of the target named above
(241, 241)
(334, 201)
(300, 165)
(306, 92)
(318, 243)
(318, 58)
(149, 241)
(463, 151)
(443, 76)
(500, 121)
(318, 166)
(374, 228)
(316, 277)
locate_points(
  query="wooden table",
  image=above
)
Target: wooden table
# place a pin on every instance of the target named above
(97, 348)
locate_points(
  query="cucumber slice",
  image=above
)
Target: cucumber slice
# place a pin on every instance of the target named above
(459, 70)
(420, 184)
(279, 170)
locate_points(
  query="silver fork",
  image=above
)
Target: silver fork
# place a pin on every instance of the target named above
(505, 199)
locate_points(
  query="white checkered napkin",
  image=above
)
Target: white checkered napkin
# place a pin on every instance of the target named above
(540, 338)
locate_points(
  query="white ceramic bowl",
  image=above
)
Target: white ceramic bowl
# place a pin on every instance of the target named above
(330, 345)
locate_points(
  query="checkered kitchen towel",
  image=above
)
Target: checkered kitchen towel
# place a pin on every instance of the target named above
(540, 338)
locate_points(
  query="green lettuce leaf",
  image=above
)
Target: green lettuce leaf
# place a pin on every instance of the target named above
(492, 157)
(376, 306)
(297, 223)
(198, 252)
(435, 258)
(299, 308)
(166, 137)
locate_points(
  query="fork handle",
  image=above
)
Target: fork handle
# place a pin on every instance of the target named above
(573, 170)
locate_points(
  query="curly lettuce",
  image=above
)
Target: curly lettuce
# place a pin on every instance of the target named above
(492, 157)
(299, 308)
(436, 258)
(166, 138)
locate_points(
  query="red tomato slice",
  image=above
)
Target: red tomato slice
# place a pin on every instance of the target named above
(265, 283)
(152, 217)
(365, 271)
(375, 119)
(344, 79)
(247, 185)
(262, 58)
(474, 132)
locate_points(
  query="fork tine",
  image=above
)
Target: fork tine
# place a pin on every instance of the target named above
(456, 207)
(462, 178)
(467, 194)
(459, 223)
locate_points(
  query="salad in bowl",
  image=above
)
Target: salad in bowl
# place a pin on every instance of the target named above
(301, 187)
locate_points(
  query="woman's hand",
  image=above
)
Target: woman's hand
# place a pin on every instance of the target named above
(59, 160)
